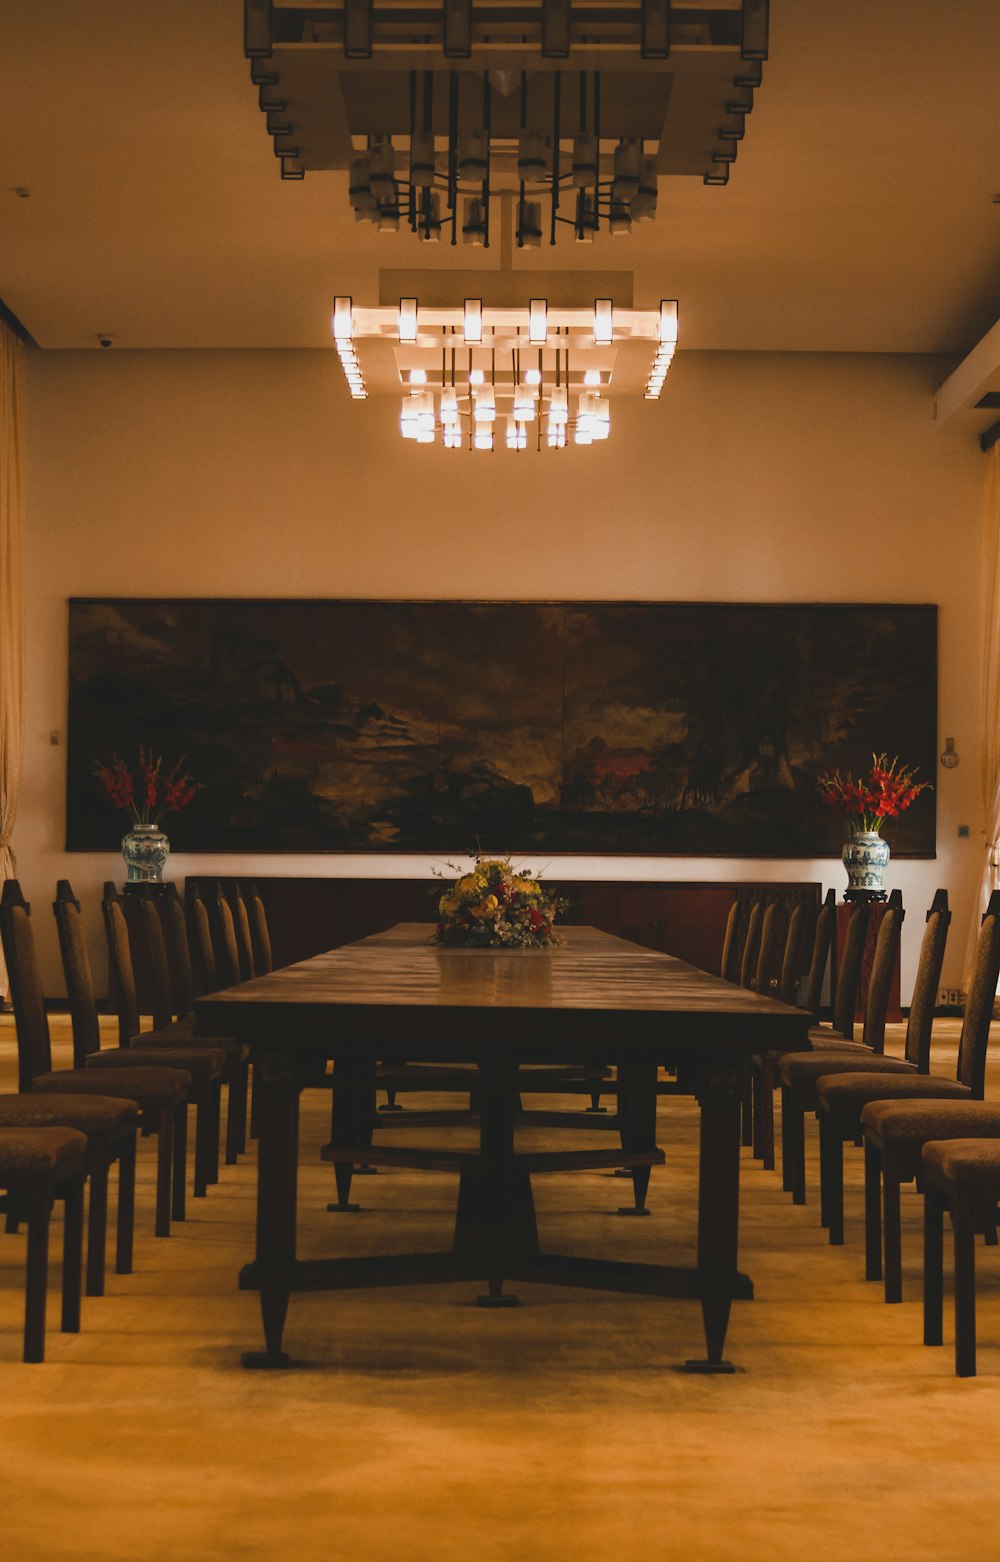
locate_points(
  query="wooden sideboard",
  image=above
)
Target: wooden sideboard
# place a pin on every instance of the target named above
(684, 918)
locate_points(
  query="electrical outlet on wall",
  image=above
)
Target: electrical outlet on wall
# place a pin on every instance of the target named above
(951, 998)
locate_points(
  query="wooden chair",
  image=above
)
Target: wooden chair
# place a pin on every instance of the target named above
(914, 1109)
(178, 996)
(37, 1165)
(963, 1177)
(798, 1072)
(161, 1094)
(762, 1078)
(839, 1105)
(110, 1126)
(203, 1064)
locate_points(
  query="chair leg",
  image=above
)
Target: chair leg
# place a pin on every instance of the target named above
(37, 1276)
(247, 1101)
(747, 1114)
(72, 1264)
(125, 1233)
(202, 1140)
(764, 1084)
(933, 1266)
(164, 1162)
(891, 1239)
(787, 1156)
(833, 1169)
(234, 1109)
(873, 1212)
(965, 1286)
(97, 1218)
(180, 1135)
(791, 1111)
(824, 1180)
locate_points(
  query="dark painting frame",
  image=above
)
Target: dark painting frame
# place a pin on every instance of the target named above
(623, 728)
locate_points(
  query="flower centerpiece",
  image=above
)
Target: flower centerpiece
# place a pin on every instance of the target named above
(866, 802)
(146, 795)
(496, 906)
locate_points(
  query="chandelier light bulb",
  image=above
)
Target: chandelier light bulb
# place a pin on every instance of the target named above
(473, 325)
(450, 415)
(484, 409)
(592, 377)
(604, 332)
(476, 377)
(417, 376)
(532, 376)
(483, 437)
(538, 328)
(408, 320)
(343, 320)
(668, 321)
(524, 402)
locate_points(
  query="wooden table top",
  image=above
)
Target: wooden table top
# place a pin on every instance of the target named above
(402, 985)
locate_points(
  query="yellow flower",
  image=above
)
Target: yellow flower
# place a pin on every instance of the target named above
(529, 887)
(486, 908)
(449, 903)
(471, 884)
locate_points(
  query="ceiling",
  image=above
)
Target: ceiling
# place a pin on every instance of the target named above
(862, 214)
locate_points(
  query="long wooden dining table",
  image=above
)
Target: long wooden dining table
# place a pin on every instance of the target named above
(589, 1000)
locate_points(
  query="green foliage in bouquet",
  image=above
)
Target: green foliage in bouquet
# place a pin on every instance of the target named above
(497, 907)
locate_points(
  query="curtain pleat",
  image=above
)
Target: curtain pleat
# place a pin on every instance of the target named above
(990, 714)
(12, 457)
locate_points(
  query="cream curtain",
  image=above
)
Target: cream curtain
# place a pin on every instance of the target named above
(990, 715)
(12, 452)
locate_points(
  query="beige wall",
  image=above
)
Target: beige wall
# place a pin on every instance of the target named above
(758, 477)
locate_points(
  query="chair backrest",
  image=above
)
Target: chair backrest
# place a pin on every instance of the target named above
(34, 1045)
(880, 981)
(260, 933)
(161, 985)
(727, 965)
(120, 963)
(227, 953)
(849, 975)
(78, 974)
(244, 942)
(925, 986)
(979, 1004)
(751, 946)
(826, 923)
(179, 950)
(765, 976)
(791, 960)
(201, 927)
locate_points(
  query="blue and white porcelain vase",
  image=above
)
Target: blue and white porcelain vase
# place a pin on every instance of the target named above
(145, 849)
(866, 857)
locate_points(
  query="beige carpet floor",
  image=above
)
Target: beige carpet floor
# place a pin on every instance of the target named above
(419, 1427)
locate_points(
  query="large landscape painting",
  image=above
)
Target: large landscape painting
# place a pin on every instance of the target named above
(626, 727)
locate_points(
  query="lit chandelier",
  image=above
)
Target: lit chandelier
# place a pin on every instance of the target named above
(541, 375)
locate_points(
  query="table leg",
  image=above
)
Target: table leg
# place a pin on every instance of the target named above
(637, 1110)
(277, 1085)
(720, 1096)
